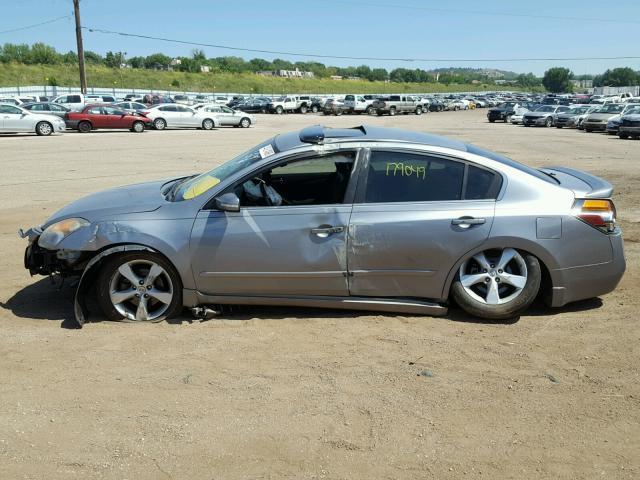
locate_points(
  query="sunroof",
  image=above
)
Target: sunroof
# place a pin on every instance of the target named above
(318, 133)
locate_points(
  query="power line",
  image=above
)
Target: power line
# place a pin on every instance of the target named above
(488, 13)
(345, 57)
(46, 22)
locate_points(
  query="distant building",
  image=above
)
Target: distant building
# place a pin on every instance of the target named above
(336, 77)
(286, 73)
(175, 62)
(205, 68)
(582, 83)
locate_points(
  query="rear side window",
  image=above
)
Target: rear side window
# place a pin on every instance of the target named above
(407, 177)
(74, 99)
(481, 184)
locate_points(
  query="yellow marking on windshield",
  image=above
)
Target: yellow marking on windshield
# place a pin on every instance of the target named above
(200, 187)
(406, 170)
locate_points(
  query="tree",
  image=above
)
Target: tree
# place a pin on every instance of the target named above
(43, 54)
(379, 75)
(527, 80)
(136, 62)
(114, 60)
(557, 80)
(156, 60)
(618, 77)
(93, 57)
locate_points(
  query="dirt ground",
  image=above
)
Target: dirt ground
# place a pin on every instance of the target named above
(279, 393)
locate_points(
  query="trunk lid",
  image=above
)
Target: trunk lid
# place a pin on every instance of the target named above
(583, 184)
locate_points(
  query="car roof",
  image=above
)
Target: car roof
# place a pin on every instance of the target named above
(321, 134)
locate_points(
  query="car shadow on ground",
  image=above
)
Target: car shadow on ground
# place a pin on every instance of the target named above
(48, 299)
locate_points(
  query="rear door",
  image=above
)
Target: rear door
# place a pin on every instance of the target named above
(415, 215)
(97, 117)
(115, 118)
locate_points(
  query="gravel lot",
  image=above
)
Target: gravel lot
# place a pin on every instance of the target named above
(301, 393)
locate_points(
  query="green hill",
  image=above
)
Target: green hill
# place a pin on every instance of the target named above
(15, 74)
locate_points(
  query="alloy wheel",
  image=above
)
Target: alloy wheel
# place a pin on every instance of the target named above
(494, 277)
(141, 290)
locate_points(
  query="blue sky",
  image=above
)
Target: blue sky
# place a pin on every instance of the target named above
(454, 29)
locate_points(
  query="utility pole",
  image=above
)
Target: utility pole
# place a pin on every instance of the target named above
(83, 75)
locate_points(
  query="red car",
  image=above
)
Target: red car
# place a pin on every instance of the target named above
(93, 117)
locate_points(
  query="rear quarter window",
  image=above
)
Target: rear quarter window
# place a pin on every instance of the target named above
(481, 184)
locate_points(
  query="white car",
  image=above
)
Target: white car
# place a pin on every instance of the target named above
(15, 119)
(173, 115)
(228, 117)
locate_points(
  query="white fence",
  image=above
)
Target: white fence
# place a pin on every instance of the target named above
(635, 91)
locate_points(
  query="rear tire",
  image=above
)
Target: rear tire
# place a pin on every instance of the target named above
(84, 127)
(418, 110)
(44, 129)
(279, 110)
(623, 135)
(137, 127)
(492, 120)
(392, 111)
(369, 110)
(303, 109)
(314, 108)
(502, 299)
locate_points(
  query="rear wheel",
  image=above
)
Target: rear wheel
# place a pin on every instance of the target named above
(84, 127)
(303, 109)
(392, 111)
(418, 110)
(279, 110)
(137, 127)
(314, 108)
(159, 124)
(369, 110)
(139, 287)
(548, 122)
(507, 119)
(491, 120)
(497, 283)
(44, 129)
(623, 135)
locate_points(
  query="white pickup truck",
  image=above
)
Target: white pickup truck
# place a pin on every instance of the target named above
(290, 103)
(359, 103)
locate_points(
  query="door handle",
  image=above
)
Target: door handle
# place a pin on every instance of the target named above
(466, 222)
(324, 232)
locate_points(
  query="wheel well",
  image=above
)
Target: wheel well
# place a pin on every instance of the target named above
(546, 283)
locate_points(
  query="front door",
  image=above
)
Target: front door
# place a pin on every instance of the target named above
(13, 119)
(287, 239)
(414, 221)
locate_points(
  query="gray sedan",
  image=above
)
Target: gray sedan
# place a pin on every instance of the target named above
(364, 218)
(47, 108)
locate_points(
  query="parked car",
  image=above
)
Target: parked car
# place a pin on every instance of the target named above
(47, 108)
(184, 99)
(503, 112)
(180, 116)
(359, 104)
(543, 116)
(229, 117)
(15, 119)
(597, 120)
(290, 103)
(95, 117)
(74, 102)
(518, 114)
(436, 105)
(254, 105)
(131, 107)
(394, 104)
(630, 124)
(613, 124)
(333, 106)
(573, 117)
(283, 224)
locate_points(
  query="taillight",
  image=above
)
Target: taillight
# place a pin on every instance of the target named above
(598, 213)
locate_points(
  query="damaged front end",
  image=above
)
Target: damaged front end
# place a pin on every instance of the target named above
(43, 261)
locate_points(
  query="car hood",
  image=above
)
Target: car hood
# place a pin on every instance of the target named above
(107, 204)
(634, 117)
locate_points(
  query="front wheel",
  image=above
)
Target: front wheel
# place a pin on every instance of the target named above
(548, 122)
(623, 135)
(303, 109)
(418, 110)
(369, 110)
(207, 124)
(159, 124)
(245, 123)
(314, 108)
(44, 129)
(139, 287)
(497, 283)
(392, 111)
(279, 110)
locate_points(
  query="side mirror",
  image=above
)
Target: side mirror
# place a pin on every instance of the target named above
(228, 202)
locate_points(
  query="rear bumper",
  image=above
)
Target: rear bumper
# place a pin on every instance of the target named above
(73, 124)
(629, 130)
(599, 126)
(589, 281)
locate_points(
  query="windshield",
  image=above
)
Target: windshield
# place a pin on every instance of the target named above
(195, 186)
(611, 108)
(507, 105)
(578, 110)
(546, 108)
(633, 110)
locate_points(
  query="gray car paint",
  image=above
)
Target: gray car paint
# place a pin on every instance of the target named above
(266, 255)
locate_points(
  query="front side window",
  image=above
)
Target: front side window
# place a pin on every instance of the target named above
(95, 111)
(74, 99)
(10, 109)
(38, 107)
(311, 181)
(408, 177)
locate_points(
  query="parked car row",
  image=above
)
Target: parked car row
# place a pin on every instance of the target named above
(46, 118)
(615, 118)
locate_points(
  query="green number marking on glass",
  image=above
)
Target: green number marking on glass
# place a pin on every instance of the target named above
(406, 170)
